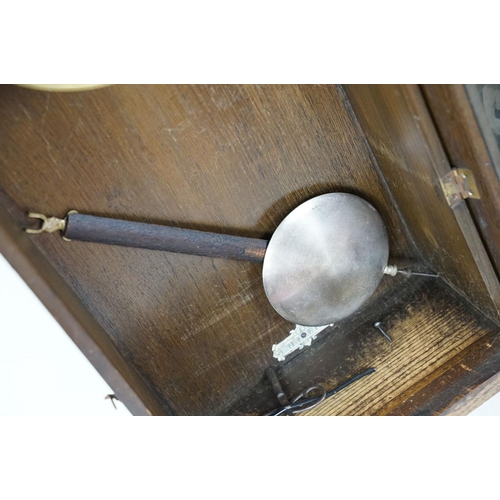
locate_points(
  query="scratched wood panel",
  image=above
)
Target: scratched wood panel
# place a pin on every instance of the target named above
(466, 148)
(470, 378)
(66, 308)
(428, 332)
(485, 102)
(407, 147)
(430, 325)
(475, 397)
(234, 159)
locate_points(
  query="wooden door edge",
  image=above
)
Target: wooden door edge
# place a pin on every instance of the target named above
(475, 398)
(65, 307)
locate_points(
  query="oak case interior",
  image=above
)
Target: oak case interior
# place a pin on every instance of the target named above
(180, 334)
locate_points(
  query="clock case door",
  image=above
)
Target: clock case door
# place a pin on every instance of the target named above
(185, 335)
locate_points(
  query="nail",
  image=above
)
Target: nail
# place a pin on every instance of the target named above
(112, 397)
(378, 326)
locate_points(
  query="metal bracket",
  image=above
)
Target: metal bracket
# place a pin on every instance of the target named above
(50, 224)
(300, 337)
(459, 184)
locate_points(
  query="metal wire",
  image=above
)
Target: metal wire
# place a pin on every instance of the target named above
(299, 405)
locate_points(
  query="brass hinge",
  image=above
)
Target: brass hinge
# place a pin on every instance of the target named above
(459, 185)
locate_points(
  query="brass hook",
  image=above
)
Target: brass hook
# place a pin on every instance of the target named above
(50, 224)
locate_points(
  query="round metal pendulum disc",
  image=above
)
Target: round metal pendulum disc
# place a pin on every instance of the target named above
(325, 259)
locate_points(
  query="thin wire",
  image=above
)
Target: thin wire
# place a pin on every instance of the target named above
(408, 273)
(425, 274)
(298, 405)
(306, 393)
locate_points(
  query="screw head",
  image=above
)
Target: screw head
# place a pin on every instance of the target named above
(303, 335)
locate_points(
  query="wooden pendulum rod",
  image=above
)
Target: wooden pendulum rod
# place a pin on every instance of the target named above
(94, 229)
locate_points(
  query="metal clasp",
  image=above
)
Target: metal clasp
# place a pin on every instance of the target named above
(49, 225)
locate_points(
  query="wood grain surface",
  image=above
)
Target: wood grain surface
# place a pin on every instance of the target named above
(430, 326)
(475, 397)
(236, 159)
(66, 308)
(461, 384)
(427, 331)
(466, 148)
(408, 150)
(485, 102)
